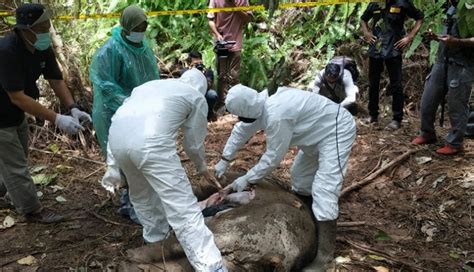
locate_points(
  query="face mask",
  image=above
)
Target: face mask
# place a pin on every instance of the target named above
(136, 37)
(43, 41)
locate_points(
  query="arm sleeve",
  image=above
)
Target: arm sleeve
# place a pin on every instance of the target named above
(195, 130)
(350, 88)
(317, 82)
(241, 133)
(211, 15)
(279, 134)
(111, 179)
(52, 71)
(11, 72)
(368, 13)
(105, 74)
(413, 12)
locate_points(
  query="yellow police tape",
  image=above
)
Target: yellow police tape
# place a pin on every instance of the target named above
(200, 11)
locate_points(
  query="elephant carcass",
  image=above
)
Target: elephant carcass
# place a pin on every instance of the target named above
(274, 232)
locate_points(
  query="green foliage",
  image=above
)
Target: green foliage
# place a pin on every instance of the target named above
(316, 32)
(466, 18)
(83, 37)
(434, 15)
(43, 179)
(382, 236)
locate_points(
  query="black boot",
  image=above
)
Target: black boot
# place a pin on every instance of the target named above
(326, 237)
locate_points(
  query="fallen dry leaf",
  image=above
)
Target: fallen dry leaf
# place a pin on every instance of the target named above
(423, 160)
(381, 269)
(28, 260)
(404, 172)
(8, 222)
(342, 260)
(429, 229)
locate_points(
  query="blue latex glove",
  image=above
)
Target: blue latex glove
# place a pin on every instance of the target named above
(68, 124)
(80, 116)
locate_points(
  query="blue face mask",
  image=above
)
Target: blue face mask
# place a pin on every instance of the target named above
(136, 37)
(43, 41)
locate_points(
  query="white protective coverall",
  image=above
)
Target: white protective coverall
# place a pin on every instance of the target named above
(292, 117)
(142, 142)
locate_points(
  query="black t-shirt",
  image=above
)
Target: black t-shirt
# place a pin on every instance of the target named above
(461, 55)
(19, 70)
(388, 25)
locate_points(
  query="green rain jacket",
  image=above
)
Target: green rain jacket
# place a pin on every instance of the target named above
(117, 68)
(466, 18)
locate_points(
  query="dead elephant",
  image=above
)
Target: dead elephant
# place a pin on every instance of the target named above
(274, 232)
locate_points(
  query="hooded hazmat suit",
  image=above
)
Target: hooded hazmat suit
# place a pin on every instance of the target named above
(117, 68)
(322, 130)
(142, 144)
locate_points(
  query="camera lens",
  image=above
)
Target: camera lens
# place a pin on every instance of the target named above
(199, 66)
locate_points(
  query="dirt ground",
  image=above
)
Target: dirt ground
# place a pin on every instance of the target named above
(417, 215)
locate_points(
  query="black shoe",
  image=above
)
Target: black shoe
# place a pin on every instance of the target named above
(45, 216)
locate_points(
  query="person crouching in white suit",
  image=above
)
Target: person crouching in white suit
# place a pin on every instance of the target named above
(142, 143)
(322, 130)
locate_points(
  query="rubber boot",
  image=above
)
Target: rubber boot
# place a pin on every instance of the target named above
(326, 241)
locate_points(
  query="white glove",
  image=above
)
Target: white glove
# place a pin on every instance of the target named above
(112, 179)
(240, 184)
(80, 115)
(68, 124)
(220, 168)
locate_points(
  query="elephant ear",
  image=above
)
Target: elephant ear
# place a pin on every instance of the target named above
(465, 10)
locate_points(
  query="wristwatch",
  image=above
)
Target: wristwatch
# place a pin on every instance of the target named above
(225, 159)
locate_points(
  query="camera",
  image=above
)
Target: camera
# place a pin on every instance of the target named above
(221, 48)
(200, 67)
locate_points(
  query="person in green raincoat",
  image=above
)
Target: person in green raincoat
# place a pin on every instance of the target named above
(124, 62)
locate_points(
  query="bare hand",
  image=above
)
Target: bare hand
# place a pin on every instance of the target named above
(370, 38)
(403, 42)
(214, 199)
(447, 39)
(219, 37)
(211, 179)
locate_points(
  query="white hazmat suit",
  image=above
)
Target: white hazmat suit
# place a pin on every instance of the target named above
(142, 142)
(292, 117)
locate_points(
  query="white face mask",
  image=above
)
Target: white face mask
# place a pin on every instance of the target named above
(136, 37)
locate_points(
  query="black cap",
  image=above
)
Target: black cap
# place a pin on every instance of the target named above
(332, 70)
(28, 14)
